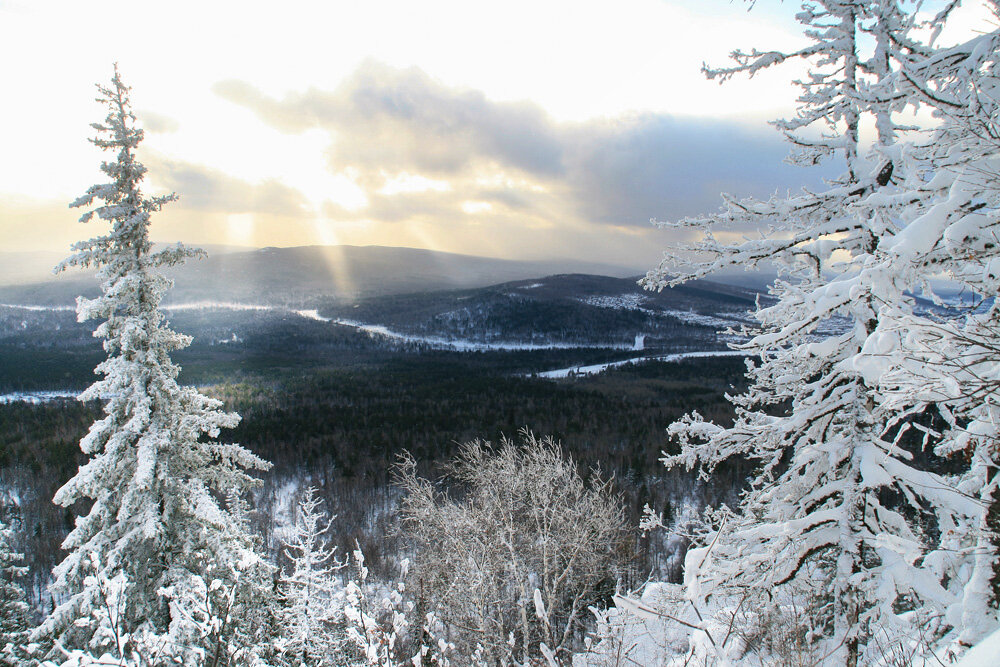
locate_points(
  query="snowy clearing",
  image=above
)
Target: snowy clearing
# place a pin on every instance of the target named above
(984, 654)
(459, 344)
(36, 397)
(196, 305)
(218, 305)
(600, 368)
(36, 308)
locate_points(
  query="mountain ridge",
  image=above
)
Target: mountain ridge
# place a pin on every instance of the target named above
(300, 275)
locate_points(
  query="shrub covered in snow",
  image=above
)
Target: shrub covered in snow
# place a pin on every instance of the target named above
(510, 561)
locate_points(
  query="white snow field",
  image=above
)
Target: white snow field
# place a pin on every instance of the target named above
(36, 397)
(457, 344)
(984, 654)
(435, 342)
(36, 308)
(218, 305)
(600, 368)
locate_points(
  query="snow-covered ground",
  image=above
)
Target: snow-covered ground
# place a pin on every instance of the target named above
(439, 342)
(600, 368)
(659, 628)
(984, 654)
(196, 305)
(637, 301)
(624, 301)
(458, 344)
(36, 308)
(36, 396)
(218, 305)
(285, 494)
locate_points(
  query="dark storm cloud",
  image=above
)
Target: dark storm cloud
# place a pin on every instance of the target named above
(210, 190)
(385, 121)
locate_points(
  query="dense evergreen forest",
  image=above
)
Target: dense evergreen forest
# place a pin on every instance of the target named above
(342, 428)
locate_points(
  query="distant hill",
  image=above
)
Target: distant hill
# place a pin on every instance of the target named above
(298, 276)
(522, 326)
(568, 308)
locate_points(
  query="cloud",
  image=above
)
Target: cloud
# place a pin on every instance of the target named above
(156, 123)
(210, 190)
(511, 161)
(630, 170)
(214, 208)
(397, 120)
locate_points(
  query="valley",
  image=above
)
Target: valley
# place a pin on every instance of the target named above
(333, 390)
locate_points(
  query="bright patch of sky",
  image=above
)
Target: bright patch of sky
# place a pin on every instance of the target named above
(270, 119)
(576, 60)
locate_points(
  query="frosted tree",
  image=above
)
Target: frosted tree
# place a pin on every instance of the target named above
(14, 613)
(311, 620)
(511, 565)
(377, 619)
(951, 357)
(154, 527)
(837, 509)
(229, 608)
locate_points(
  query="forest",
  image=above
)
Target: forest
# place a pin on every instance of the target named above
(343, 429)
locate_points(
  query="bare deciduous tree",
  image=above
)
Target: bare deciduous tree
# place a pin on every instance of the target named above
(510, 560)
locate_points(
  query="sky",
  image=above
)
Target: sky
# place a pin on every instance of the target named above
(524, 129)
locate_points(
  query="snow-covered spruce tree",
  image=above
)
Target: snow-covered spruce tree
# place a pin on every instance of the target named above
(14, 613)
(154, 527)
(951, 357)
(311, 619)
(835, 507)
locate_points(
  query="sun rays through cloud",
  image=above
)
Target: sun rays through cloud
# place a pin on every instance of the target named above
(341, 129)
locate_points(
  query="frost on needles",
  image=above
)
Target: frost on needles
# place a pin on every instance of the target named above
(155, 569)
(850, 529)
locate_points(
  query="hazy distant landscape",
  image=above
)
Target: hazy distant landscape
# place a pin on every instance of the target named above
(291, 276)
(273, 306)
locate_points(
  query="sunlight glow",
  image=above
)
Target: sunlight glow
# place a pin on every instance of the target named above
(338, 268)
(307, 171)
(407, 183)
(580, 70)
(240, 229)
(474, 207)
